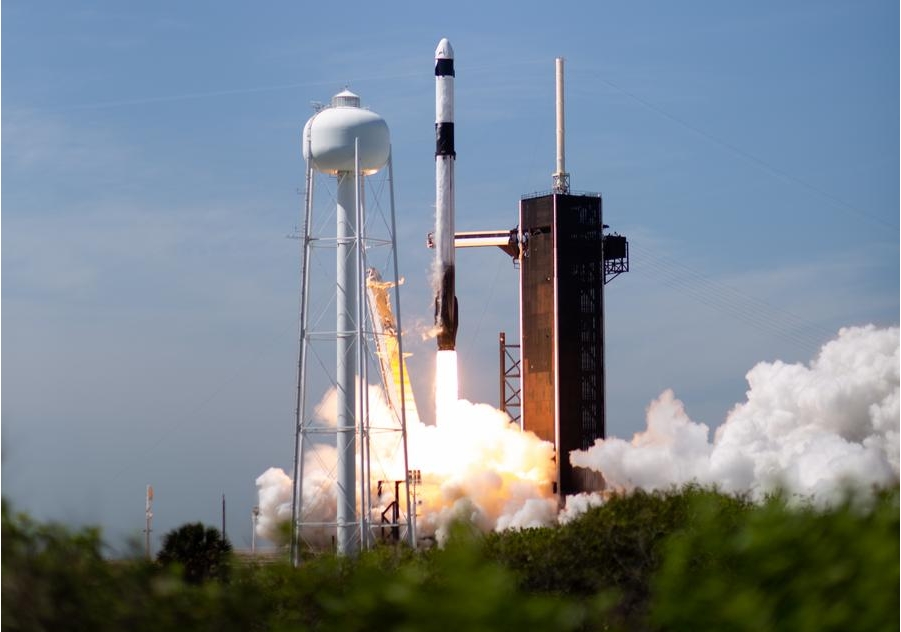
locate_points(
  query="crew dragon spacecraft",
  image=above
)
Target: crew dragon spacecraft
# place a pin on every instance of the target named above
(446, 311)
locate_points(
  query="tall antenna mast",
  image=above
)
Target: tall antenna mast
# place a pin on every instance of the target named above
(561, 178)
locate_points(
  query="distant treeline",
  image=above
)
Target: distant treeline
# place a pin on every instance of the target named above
(688, 559)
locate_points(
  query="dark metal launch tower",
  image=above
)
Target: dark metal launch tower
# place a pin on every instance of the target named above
(566, 261)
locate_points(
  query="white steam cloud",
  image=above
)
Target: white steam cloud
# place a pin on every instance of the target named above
(475, 465)
(812, 430)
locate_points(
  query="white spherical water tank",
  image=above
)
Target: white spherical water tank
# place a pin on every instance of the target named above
(329, 135)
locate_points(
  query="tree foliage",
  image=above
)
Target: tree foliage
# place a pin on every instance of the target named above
(50, 575)
(690, 559)
(781, 568)
(200, 551)
(615, 548)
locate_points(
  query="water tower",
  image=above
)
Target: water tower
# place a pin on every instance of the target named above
(344, 145)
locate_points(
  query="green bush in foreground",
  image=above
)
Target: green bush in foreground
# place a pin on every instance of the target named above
(200, 552)
(51, 576)
(783, 569)
(691, 559)
(450, 589)
(614, 549)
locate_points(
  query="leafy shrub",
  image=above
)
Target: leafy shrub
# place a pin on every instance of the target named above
(455, 588)
(783, 568)
(201, 552)
(51, 575)
(681, 560)
(612, 550)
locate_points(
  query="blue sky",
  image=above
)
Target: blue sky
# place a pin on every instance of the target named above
(150, 172)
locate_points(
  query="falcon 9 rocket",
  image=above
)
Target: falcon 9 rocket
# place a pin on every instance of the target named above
(445, 299)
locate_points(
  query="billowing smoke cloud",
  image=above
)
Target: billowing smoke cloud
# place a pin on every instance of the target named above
(274, 493)
(812, 430)
(475, 466)
(478, 466)
(274, 489)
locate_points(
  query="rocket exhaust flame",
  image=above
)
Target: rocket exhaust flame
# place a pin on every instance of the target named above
(475, 465)
(446, 386)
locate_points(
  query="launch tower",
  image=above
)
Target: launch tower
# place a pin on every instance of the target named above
(565, 261)
(562, 324)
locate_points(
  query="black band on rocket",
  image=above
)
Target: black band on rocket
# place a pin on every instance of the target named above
(444, 139)
(444, 67)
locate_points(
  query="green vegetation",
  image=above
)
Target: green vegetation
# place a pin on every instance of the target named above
(783, 570)
(614, 549)
(690, 559)
(201, 553)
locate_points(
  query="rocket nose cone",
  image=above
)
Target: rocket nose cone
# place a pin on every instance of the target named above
(444, 50)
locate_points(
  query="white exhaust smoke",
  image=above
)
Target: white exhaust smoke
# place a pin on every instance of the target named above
(812, 430)
(475, 465)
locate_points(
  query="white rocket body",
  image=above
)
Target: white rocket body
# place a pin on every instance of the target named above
(445, 155)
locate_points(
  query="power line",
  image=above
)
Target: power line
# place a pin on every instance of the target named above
(755, 313)
(188, 96)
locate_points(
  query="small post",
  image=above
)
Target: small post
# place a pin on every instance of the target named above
(148, 517)
(254, 519)
(503, 372)
(414, 479)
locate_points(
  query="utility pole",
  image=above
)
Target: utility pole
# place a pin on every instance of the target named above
(148, 517)
(254, 518)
